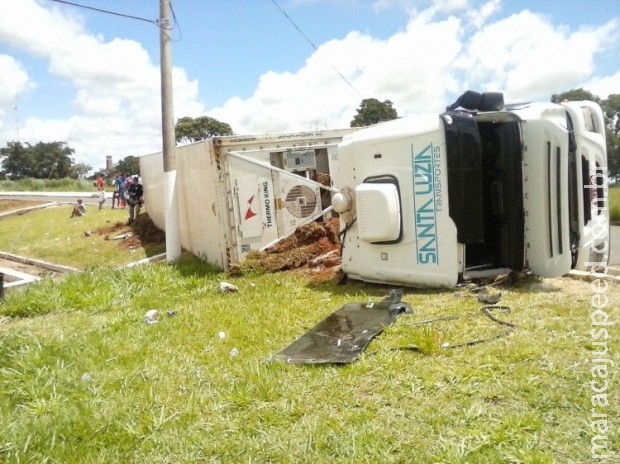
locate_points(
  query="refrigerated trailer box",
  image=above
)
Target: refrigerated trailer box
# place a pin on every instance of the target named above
(237, 194)
(432, 200)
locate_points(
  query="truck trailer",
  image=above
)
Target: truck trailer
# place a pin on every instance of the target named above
(237, 194)
(481, 189)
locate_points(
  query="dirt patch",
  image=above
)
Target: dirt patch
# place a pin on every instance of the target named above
(312, 251)
(148, 232)
(141, 233)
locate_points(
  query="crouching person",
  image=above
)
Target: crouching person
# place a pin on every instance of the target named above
(78, 209)
(135, 198)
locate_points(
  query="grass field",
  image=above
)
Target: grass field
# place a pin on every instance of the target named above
(46, 185)
(83, 242)
(614, 203)
(84, 380)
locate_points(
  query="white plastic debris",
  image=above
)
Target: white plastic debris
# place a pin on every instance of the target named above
(151, 316)
(222, 334)
(226, 287)
(233, 352)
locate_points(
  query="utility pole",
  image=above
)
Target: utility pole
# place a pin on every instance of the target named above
(173, 242)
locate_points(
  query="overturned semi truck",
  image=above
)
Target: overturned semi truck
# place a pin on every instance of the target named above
(431, 200)
(238, 194)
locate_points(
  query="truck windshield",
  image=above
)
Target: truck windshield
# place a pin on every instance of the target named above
(485, 189)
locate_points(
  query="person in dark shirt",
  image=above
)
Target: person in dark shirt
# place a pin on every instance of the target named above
(135, 198)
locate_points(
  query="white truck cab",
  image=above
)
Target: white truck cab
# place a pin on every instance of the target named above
(431, 200)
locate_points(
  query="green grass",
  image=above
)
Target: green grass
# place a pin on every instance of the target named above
(46, 185)
(614, 203)
(51, 235)
(84, 380)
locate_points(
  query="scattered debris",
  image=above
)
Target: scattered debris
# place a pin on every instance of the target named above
(172, 312)
(86, 377)
(144, 233)
(233, 352)
(226, 287)
(124, 236)
(87, 233)
(489, 295)
(342, 336)
(151, 316)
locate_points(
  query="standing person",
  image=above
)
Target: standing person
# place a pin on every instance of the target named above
(115, 198)
(100, 183)
(135, 198)
(102, 198)
(121, 186)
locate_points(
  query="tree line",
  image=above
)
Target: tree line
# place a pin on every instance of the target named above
(53, 160)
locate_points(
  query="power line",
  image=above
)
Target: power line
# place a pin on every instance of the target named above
(109, 12)
(315, 47)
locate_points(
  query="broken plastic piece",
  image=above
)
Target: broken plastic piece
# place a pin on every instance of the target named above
(342, 336)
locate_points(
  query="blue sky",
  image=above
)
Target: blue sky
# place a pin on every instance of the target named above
(92, 79)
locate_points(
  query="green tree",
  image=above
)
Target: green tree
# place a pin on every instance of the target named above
(575, 95)
(189, 130)
(50, 160)
(611, 107)
(129, 165)
(372, 111)
(79, 170)
(16, 160)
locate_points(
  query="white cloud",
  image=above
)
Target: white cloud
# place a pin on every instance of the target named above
(424, 67)
(603, 87)
(527, 57)
(399, 69)
(13, 80)
(116, 85)
(450, 46)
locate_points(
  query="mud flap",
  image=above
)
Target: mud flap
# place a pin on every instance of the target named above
(342, 336)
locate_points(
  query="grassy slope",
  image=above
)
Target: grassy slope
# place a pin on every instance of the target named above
(51, 235)
(83, 379)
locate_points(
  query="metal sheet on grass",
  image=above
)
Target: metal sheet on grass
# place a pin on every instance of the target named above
(342, 336)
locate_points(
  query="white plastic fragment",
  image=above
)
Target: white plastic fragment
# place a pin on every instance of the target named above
(226, 287)
(151, 316)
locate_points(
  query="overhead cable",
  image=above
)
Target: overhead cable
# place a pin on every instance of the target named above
(315, 47)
